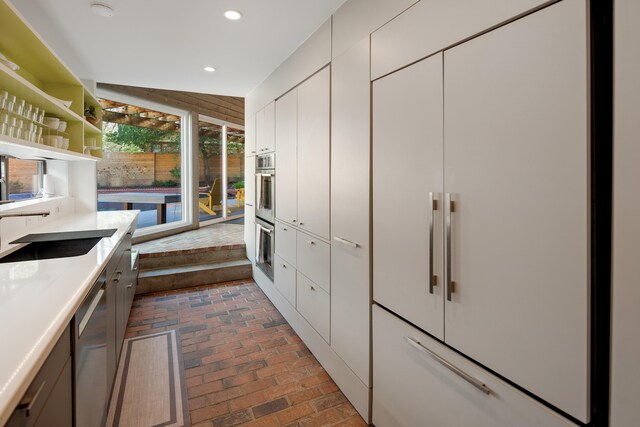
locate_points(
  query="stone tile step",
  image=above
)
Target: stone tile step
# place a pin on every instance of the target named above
(198, 256)
(187, 276)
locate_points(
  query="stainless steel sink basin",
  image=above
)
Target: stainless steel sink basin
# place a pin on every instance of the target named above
(52, 249)
(56, 245)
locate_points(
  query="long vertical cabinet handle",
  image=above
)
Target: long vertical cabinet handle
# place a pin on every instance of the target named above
(433, 205)
(450, 208)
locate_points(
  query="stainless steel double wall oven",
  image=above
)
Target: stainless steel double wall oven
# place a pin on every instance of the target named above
(265, 212)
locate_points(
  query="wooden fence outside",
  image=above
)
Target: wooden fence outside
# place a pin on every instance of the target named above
(143, 169)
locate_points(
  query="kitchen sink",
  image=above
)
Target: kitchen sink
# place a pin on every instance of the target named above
(56, 245)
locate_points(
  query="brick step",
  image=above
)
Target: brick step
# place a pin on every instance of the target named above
(186, 276)
(208, 255)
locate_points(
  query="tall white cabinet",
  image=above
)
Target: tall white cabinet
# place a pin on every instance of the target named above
(490, 137)
(350, 225)
(313, 153)
(286, 119)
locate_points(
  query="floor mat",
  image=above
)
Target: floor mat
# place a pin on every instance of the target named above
(149, 389)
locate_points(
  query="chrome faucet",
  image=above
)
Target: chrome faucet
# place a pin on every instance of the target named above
(19, 214)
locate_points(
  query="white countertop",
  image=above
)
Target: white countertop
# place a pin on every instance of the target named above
(39, 298)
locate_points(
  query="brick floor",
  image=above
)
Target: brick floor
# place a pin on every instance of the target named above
(244, 365)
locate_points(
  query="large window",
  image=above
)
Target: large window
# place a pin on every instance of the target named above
(221, 170)
(146, 162)
(20, 179)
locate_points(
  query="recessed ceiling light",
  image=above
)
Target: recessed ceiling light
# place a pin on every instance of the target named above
(102, 9)
(209, 69)
(233, 15)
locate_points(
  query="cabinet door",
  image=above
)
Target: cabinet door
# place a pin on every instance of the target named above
(313, 259)
(313, 154)
(286, 243)
(287, 158)
(269, 143)
(249, 207)
(250, 137)
(284, 279)
(407, 174)
(314, 305)
(516, 158)
(412, 388)
(260, 132)
(350, 155)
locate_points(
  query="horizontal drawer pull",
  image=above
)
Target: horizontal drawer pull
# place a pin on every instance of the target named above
(311, 242)
(345, 242)
(459, 372)
(312, 288)
(29, 400)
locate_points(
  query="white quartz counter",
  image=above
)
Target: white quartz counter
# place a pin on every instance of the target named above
(39, 298)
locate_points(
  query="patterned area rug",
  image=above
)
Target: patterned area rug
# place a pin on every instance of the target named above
(149, 389)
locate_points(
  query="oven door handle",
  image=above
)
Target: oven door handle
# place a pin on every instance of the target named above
(266, 230)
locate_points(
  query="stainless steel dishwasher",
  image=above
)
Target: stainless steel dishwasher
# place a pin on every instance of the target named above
(91, 357)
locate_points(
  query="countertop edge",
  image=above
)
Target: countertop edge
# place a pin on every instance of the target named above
(50, 336)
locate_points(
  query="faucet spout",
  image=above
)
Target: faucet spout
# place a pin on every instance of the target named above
(20, 214)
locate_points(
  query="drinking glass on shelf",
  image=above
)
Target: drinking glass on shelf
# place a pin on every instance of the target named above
(4, 123)
(11, 101)
(4, 98)
(36, 113)
(27, 111)
(41, 117)
(19, 107)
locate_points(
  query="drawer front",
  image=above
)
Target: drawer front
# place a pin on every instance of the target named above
(284, 279)
(314, 260)
(43, 384)
(411, 387)
(314, 304)
(286, 243)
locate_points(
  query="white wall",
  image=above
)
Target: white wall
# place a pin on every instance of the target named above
(625, 361)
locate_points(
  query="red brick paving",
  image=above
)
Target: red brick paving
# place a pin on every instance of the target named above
(244, 365)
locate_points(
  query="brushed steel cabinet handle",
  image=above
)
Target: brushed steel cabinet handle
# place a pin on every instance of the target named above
(451, 207)
(311, 242)
(30, 399)
(249, 204)
(312, 288)
(293, 220)
(346, 242)
(459, 372)
(266, 230)
(433, 205)
(284, 266)
(284, 228)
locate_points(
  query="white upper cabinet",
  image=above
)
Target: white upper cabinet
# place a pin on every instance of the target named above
(313, 153)
(250, 137)
(287, 157)
(516, 164)
(431, 26)
(265, 129)
(350, 171)
(407, 194)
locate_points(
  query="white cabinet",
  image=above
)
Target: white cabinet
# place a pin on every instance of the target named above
(313, 154)
(284, 279)
(313, 260)
(431, 26)
(515, 156)
(265, 129)
(350, 248)
(249, 208)
(408, 274)
(287, 157)
(314, 305)
(413, 388)
(250, 137)
(286, 242)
